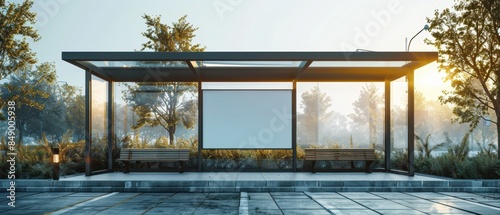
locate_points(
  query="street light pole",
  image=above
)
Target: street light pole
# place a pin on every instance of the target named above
(426, 27)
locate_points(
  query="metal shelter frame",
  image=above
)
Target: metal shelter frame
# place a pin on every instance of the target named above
(289, 67)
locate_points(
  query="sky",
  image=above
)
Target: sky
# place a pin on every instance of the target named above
(236, 25)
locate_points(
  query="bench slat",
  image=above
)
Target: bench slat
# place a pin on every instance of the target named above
(154, 154)
(340, 154)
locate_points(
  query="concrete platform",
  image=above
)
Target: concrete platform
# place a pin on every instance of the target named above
(222, 182)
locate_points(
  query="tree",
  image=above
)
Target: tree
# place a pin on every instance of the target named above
(175, 38)
(166, 104)
(468, 40)
(315, 105)
(75, 116)
(50, 119)
(368, 111)
(15, 27)
(163, 104)
(28, 90)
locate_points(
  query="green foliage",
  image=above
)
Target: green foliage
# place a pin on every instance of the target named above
(170, 38)
(482, 166)
(30, 89)
(16, 25)
(400, 159)
(487, 150)
(444, 165)
(315, 115)
(424, 147)
(368, 108)
(456, 163)
(75, 111)
(166, 104)
(468, 41)
(459, 151)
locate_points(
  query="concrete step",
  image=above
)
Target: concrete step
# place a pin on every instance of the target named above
(213, 185)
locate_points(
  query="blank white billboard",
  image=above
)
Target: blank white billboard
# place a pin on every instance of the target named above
(247, 119)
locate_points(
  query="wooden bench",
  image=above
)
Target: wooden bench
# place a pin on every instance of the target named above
(154, 155)
(366, 155)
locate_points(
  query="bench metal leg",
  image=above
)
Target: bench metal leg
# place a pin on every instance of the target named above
(181, 166)
(127, 167)
(367, 166)
(313, 167)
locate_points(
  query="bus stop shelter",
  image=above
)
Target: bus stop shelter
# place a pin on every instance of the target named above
(287, 67)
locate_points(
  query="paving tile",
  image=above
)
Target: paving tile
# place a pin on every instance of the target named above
(25, 212)
(262, 205)
(213, 211)
(86, 210)
(172, 210)
(324, 195)
(265, 212)
(180, 204)
(286, 193)
(394, 195)
(226, 204)
(354, 212)
(50, 195)
(470, 206)
(490, 203)
(359, 195)
(223, 196)
(304, 212)
(431, 196)
(304, 204)
(339, 204)
(491, 195)
(114, 211)
(399, 212)
(86, 194)
(188, 197)
(291, 196)
(259, 196)
(435, 208)
(382, 205)
(151, 197)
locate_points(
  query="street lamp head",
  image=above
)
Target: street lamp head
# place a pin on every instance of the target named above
(426, 27)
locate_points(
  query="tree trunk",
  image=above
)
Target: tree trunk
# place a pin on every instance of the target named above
(171, 132)
(171, 138)
(498, 137)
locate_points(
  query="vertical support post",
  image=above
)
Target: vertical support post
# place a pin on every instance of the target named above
(387, 126)
(111, 123)
(200, 126)
(294, 126)
(55, 163)
(411, 123)
(88, 122)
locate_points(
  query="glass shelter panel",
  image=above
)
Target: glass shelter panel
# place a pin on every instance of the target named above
(399, 124)
(99, 149)
(340, 115)
(143, 120)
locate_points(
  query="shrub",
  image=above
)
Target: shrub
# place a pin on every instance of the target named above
(400, 159)
(482, 166)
